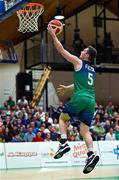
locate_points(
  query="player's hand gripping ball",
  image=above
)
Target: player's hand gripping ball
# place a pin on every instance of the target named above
(56, 25)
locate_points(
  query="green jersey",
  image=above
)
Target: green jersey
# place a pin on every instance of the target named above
(82, 103)
(84, 80)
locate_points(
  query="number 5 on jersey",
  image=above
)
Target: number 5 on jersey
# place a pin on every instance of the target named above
(90, 79)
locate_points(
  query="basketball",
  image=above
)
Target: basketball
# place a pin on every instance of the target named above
(57, 25)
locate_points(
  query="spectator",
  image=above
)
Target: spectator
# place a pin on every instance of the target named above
(110, 135)
(48, 119)
(60, 108)
(107, 126)
(22, 132)
(16, 138)
(98, 131)
(48, 137)
(110, 108)
(22, 102)
(54, 133)
(41, 113)
(43, 133)
(117, 132)
(28, 137)
(7, 135)
(38, 137)
(55, 123)
(10, 102)
(4, 106)
(1, 134)
(21, 119)
(71, 137)
(34, 128)
(39, 121)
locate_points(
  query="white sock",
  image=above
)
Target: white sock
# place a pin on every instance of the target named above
(63, 136)
(90, 149)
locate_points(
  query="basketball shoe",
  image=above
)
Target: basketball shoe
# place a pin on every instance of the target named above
(91, 162)
(63, 148)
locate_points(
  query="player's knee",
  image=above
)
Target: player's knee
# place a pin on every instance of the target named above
(65, 117)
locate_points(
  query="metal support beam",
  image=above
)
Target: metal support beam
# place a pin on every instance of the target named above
(109, 19)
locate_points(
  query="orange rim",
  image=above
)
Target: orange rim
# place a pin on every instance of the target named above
(35, 4)
(31, 10)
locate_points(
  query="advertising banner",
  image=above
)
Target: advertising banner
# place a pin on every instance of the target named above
(2, 157)
(40, 154)
(79, 153)
(20, 155)
(47, 151)
(109, 152)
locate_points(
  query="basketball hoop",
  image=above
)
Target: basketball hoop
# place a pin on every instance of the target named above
(28, 17)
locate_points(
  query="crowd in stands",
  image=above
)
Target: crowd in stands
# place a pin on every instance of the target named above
(21, 123)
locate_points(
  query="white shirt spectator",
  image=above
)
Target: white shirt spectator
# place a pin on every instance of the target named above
(110, 135)
(22, 102)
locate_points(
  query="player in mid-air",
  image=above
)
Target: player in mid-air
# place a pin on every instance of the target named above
(82, 103)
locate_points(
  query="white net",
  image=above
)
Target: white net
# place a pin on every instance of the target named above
(28, 17)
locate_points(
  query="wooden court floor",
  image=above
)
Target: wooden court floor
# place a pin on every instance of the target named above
(62, 173)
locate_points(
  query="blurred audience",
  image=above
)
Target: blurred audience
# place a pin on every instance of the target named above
(21, 123)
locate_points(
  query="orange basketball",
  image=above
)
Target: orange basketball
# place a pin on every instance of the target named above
(57, 25)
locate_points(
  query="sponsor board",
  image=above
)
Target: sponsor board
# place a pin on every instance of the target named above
(109, 152)
(2, 157)
(47, 151)
(40, 154)
(79, 152)
(21, 155)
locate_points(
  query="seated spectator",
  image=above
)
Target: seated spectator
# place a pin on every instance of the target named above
(60, 108)
(16, 137)
(48, 137)
(55, 123)
(41, 113)
(43, 132)
(117, 120)
(98, 131)
(110, 108)
(54, 133)
(117, 132)
(107, 126)
(4, 106)
(100, 110)
(2, 134)
(38, 137)
(110, 135)
(10, 102)
(48, 119)
(22, 102)
(28, 137)
(3, 114)
(71, 137)
(34, 128)
(7, 135)
(47, 130)
(22, 131)
(106, 117)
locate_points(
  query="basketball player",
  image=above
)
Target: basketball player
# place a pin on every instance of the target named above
(82, 104)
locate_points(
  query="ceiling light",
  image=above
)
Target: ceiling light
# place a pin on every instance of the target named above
(59, 14)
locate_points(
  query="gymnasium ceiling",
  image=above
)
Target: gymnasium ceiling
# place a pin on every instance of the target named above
(8, 28)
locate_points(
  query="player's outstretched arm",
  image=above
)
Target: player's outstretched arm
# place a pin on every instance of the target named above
(62, 89)
(68, 56)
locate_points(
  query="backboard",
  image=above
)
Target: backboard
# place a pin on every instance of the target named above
(7, 52)
(9, 7)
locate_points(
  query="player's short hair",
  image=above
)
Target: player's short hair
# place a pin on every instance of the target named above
(92, 52)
